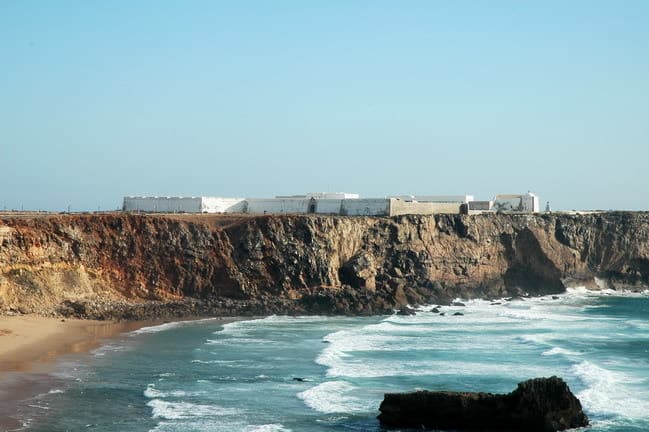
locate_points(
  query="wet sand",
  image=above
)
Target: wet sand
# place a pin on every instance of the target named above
(26, 341)
(29, 346)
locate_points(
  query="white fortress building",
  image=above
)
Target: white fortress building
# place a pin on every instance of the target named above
(334, 203)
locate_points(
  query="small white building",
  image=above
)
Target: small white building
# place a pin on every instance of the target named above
(480, 206)
(518, 203)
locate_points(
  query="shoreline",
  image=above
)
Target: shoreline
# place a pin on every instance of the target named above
(29, 341)
(40, 344)
(31, 345)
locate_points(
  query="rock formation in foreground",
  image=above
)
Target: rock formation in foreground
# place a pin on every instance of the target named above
(537, 405)
(147, 266)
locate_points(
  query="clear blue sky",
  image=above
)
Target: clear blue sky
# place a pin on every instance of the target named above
(100, 99)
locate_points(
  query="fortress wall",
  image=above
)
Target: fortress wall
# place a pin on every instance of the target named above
(223, 205)
(366, 207)
(328, 206)
(400, 207)
(163, 204)
(277, 206)
(480, 205)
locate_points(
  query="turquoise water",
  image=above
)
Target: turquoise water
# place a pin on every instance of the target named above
(204, 376)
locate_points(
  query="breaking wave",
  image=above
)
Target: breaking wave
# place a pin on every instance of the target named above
(332, 397)
(184, 410)
(612, 392)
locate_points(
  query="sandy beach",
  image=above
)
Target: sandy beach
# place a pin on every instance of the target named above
(28, 341)
(28, 346)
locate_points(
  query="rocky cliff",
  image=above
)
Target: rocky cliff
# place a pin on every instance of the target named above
(132, 266)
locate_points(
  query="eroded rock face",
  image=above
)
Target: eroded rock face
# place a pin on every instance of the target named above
(359, 271)
(541, 404)
(312, 264)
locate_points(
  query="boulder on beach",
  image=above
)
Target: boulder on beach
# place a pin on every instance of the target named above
(536, 405)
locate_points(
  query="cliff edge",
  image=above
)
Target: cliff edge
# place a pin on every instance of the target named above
(143, 266)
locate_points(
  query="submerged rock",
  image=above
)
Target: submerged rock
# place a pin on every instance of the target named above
(541, 404)
(405, 311)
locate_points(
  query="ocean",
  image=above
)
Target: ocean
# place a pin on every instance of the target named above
(330, 373)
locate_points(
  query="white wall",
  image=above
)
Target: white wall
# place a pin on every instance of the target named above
(366, 207)
(530, 203)
(480, 205)
(322, 195)
(223, 205)
(526, 203)
(508, 203)
(277, 205)
(332, 195)
(328, 206)
(163, 204)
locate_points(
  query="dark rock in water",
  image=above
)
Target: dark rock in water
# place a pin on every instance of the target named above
(298, 379)
(457, 304)
(435, 310)
(495, 303)
(458, 314)
(406, 311)
(555, 297)
(442, 314)
(537, 405)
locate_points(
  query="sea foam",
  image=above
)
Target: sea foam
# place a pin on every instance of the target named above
(155, 328)
(152, 392)
(611, 392)
(219, 425)
(184, 410)
(559, 351)
(271, 427)
(167, 326)
(332, 397)
(245, 325)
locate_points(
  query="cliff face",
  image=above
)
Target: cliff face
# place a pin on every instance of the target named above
(51, 264)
